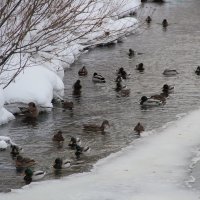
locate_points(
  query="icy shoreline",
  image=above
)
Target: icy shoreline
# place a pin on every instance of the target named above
(155, 167)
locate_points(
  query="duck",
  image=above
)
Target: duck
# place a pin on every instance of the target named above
(95, 127)
(149, 101)
(58, 137)
(83, 71)
(164, 23)
(61, 164)
(24, 162)
(197, 71)
(131, 52)
(82, 150)
(140, 67)
(67, 104)
(124, 92)
(167, 88)
(170, 72)
(73, 142)
(97, 78)
(15, 150)
(31, 111)
(148, 20)
(33, 175)
(139, 128)
(122, 73)
(77, 88)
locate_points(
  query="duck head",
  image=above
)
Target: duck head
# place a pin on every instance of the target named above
(28, 172)
(143, 99)
(105, 123)
(58, 163)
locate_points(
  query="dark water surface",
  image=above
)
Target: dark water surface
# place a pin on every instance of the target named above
(177, 47)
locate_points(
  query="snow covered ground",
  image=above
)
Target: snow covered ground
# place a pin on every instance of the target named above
(154, 167)
(42, 80)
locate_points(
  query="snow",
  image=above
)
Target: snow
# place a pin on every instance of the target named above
(153, 167)
(42, 80)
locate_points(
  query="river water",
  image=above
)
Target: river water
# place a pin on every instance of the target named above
(176, 47)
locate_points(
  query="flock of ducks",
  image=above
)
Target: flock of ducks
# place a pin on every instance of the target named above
(32, 112)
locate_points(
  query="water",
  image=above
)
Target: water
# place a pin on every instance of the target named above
(176, 47)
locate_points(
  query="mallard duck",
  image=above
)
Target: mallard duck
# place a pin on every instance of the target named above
(67, 105)
(97, 78)
(140, 67)
(148, 19)
(149, 101)
(197, 71)
(131, 52)
(170, 72)
(94, 127)
(122, 73)
(164, 23)
(58, 137)
(138, 128)
(15, 150)
(73, 142)
(83, 71)
(24, 162)
(31, 111)
(77, 87)
(167, 88)
(60, 164)
(81, 150)
(33, 175)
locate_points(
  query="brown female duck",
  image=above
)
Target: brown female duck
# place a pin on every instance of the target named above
(31, 111)
(58, 137)
(95, 127)
(83, 71)
(138, 128)
(24, 162)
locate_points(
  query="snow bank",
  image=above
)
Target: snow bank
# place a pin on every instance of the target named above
(154, 167)
(42, 79)
(5, 116)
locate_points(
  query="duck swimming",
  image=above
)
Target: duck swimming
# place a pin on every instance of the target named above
(94, 127)
(150, 101)
(74, 142)
(140, 67)
(15, 150)
(170, 72)
(77, 88)
(167, 88)
(164, 23)
(97, 78)
(197, 71)
(138, 128)
(81, 150)
(67, 105)
(131, 52)
(121, 72)
(83, 71)
(33, 175)
(148, 19)
(31, 111)
(24, 162)
(60, 164)
(58, 137)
